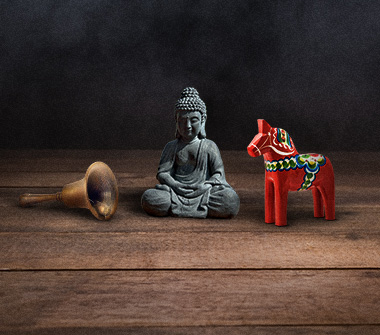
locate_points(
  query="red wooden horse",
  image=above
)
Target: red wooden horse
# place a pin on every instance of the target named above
(287, 170)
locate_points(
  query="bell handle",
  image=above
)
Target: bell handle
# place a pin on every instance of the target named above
(27, 199)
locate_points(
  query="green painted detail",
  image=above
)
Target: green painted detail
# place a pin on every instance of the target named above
(310, 163)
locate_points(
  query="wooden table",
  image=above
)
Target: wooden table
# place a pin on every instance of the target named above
(64, 272)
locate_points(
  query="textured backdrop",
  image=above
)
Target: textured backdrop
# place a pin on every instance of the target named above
(106, 74)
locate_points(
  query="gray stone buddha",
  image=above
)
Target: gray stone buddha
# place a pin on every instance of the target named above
(191, 171)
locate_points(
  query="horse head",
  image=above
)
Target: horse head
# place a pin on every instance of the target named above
(271, 140)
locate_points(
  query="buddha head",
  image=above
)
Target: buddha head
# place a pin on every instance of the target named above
(190, 114)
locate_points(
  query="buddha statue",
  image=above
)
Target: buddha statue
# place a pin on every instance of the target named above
(191, 173)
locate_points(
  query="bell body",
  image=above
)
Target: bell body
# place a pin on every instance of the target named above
(74, 195)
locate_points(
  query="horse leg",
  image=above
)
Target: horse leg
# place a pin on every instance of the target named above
(318, 203)
(269, 201)
(281, 204)
(328, 195)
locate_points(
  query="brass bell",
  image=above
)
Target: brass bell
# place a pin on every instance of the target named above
(97, 191)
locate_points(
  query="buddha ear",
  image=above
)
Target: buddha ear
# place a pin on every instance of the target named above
(202, 132)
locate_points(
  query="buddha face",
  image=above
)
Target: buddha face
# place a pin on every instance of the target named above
(189, 124)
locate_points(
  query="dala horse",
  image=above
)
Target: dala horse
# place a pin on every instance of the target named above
(287, 170)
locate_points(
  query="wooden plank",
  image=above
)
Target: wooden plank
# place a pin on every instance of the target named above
(43, 299)
(346, 196)
(217, 330)
(355, 210)
(188, 250)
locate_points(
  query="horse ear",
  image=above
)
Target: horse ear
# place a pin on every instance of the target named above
(264, 126)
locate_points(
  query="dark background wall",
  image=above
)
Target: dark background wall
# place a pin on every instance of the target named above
(106, 74)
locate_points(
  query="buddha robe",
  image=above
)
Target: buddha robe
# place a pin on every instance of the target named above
(218, 201)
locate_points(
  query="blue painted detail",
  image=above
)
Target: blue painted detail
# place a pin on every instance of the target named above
(310, 163)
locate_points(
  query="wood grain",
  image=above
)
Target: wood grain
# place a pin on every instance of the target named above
(212, 330)
(188, 298)
(188, 250)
